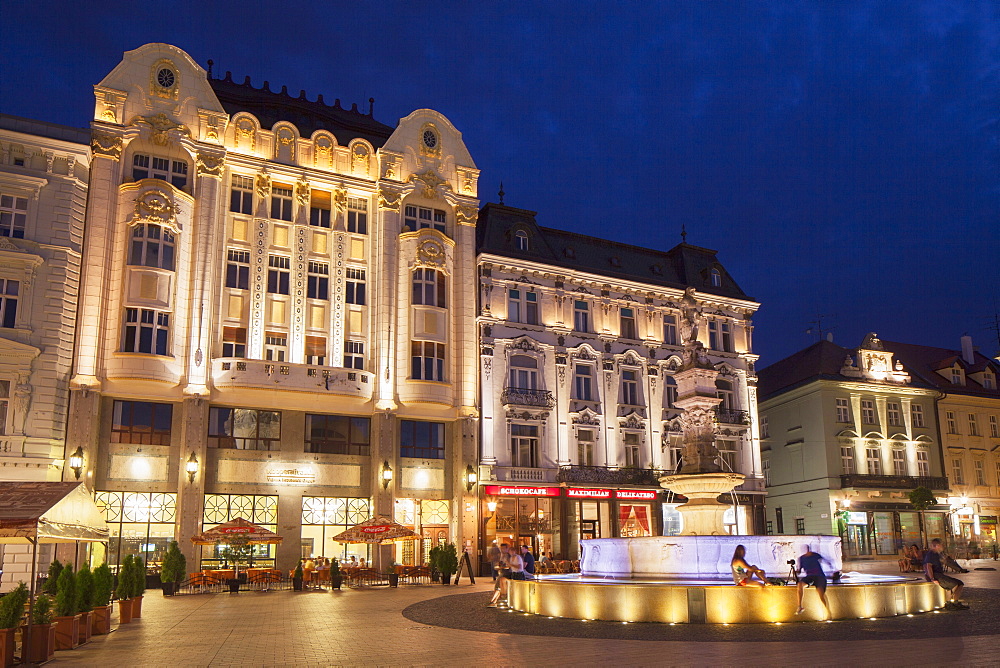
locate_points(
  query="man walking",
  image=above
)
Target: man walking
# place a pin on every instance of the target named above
(810, 563)
(935, 573)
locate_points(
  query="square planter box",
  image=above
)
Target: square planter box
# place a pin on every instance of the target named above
(67, 631)
(100, 623)
(43, 642)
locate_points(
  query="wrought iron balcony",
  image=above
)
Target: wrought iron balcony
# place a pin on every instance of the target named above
(609, 476)
(519, 396)
(893, 481)
(731, 416)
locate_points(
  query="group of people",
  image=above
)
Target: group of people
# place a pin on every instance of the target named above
(509, 563)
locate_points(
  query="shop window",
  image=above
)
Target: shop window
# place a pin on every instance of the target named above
(357, 215)
(583, 382)
(281, 202)
(318, 280)
(627, 324)
(917, 415)
(141, 423)
(316, 350)
(238, 269)
(13, 216)
(278, 274)
(244, 428)
(670, 330)
(337, 434)
(9, 293)
(898, 462)
(581, 316)
(893, 414)
(843, 410)
(524, 445)
(522, 306)
(145, 331)
(152, 246)
(427, 360)
(241, 195)
(139, 523)
(234, 341)
(319, 209)
(354, 354)
(868, 412)
(634, 520)
(428, 287)
(324, 517)
(585, 447)
(356, 286)
(174, 172)
(422, 440)
(800, 526)
(673, 524)
(259, 509)
(923, 464)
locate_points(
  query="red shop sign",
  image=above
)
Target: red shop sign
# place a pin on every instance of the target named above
(636, 494)
(575, 493)
(503, 490)
(376, 529)
(236, 530)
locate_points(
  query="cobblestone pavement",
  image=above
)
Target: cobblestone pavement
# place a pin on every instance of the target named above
(367, 628)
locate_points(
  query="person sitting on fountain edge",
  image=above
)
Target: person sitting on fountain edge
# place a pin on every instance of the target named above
(810, 563)
(743, 572)
(934, 573)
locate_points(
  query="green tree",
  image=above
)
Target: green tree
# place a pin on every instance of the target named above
(84, 589)
(52, 582)
(104, 584)
(448, 560)
(12, 607)
(124, 589)
(138, 576)
(174, 564)
(921, 499)
(66, 597)
(41, 612)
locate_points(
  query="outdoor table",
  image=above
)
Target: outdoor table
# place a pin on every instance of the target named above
(223, 575)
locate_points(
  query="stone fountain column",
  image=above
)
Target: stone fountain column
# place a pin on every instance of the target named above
(701, 479)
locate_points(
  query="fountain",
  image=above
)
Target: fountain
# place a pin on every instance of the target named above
(687, 578)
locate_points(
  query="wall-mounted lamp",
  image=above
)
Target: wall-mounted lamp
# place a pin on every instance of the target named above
(386, 474)
(471, 478)
(846, 503)
(191, 467)
(76, 461)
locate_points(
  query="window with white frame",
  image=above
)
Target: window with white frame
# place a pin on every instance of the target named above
(727, 455)
(952, 423)
(847, 458)
(988, 383)
(9, 294)
(524, 445)
(713, 335)
(632, 457)
(356, 286)
(973, 425)
(581, 315)
(281, 202)
(727, 336)
(716, 277)
(673, 444)
(724, 390)
(522, 306)
(238, 269)
(583, 382)
(764, 430)
(630, 387)
(419, 217)
(521, 240)
(628, 329)
(357, 215)
(917, 415)
(146, 331)
(670, 329)
(893, 415)
(923, 464)
(868, 412)
(13, 215)
(958, 476)
(320, 209)
(585, 447)
(428, 287)
(4, 405)
(979, 467)
(241, 194)
(843, 410)
(994, 428)
(151, 246)
(354, 354)
(275, 346)
(956, 377)
(234, 341)
(427, 360)
(174, 172)
(523, 372)
(873, 456)
(898, 461)
(278, 274)
(669, 392)
(318, 280)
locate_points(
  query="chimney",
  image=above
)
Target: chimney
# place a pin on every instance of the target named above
(967, 352)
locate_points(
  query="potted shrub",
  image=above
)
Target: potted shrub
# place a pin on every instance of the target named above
(173, 569)
(123, 592)
(11, 611)
(297, 577)
(238, 549)
(104, 584)
(447, 562)
(434, 556)
(391, 574)
(84, 601)
(336, 579)
(42, 645)
(67, 620)
(51, 585)
(138, 585)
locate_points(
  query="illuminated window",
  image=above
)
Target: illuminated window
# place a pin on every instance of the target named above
(843, 410)
(234, 341)
(581, 316)
(244, 428)
(428, 287)
(9, 292)
(893, 414)
(318, 280)
(281, 202)
(319, 209)
(923, 464)
(141, 423)
(13, 216)
(522, 306)
(355, 286)
(260, 509)
(357, 215)
(139, 523)
(917, 415)
(146, 331)
(324, 517)
(847, 458)
(628, 329)
(670, 330)
(354, 354)
(583, 379)
(241, 195)
(524, 445)
(278, 274)
(174, 172)
(898, 462)
(421, 440)
(585, 447)
(238, 269)
(427, 360)
(418, 217)
(337, 434)
(152, 246)
(868, 412)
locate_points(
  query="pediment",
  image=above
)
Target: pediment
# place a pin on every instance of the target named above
(17, 354)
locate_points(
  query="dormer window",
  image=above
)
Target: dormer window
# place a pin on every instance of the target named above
(956, 376)
(716, 278)
(988, 381)
(521, 240)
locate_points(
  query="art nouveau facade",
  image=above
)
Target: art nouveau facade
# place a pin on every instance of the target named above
(277, 314)
(578, 344)
(43, 194)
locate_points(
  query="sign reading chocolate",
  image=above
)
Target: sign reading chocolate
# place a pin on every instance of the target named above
(504, 490)
(576, 493)
(635, 494)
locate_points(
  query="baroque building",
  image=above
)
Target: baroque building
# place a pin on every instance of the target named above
(579, 340)
(277, 315)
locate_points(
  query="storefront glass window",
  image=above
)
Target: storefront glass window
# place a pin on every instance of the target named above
(526, 521)
(427, 517)
(635, 519)
(323, 517)
(258, 509)
(885, 542)
(139, 523)
(934, 523)
(909, 529)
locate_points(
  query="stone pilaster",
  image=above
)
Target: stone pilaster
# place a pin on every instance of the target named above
(191, 494)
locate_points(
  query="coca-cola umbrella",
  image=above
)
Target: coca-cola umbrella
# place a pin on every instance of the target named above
(375, 531)
(238, 534)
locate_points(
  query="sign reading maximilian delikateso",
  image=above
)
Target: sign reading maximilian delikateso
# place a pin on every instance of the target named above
(573, 492)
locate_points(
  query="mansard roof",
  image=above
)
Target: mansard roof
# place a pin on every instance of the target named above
(269, 107)
(682, 266)
(926, 361)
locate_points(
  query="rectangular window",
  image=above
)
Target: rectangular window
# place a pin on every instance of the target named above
(670, 392)
(980, 470)
(628, 330)
(973, 425)
(764, 432)
(769, 528)
(843, 410)
(585, 447)
(355, 286)
(581, 316)
(988, 381)
(9, 292)
(281, 202)
(522, 307)
(873, 455)
(923, 464)
(779, 519)
(524, 445)
(418, 217)
(421, 440)
(319, 209)
(337, 434)
(994, 428)
(583, 382)
(766, 470)
(354, 354)
(318, 281)
(277, 274)
(800, 526)
(956, 377)
(917, 415)
(13, 216)
(241, 195)
(427, 361)
(146, 331)
(141, 423)
(428, 287)
(174, 172)
(357, 215)
(238, 269)
(893, 414)
(275, 347)
(151, 246)
(670, 330)
(713, 335)
(899, 462)
(632, 457)
(952, 422)
(868, 411)
(244, 428)
(4, 404)
(956, 471)
(727, 337)
(316, 350)
(727, 456)
(630, 388)
(847, 458)
(234, 341)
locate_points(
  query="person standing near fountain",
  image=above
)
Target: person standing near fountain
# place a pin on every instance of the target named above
(810, 563)
(743, 572)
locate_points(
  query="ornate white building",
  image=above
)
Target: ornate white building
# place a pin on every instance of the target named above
(277, 319)
(578, 344)
(43, 195)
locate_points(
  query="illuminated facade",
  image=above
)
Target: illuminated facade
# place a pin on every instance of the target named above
(277, 314)
(578, 345)
(847, 434)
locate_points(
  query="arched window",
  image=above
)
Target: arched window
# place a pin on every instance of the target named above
(523, 372)
(521, 240)
(428, 287)
(716, 278)
(152, 246)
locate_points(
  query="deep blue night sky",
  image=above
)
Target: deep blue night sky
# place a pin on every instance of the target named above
(841, 156)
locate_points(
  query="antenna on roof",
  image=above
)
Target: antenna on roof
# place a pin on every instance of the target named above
(684, 234)
(501, 193)
(994, 325)
(371, 106)
(817, 327)
(210, 63)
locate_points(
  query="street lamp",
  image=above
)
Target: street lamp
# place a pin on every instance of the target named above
(470, 478)
(191, 467)
(386, 474)
(76, 461)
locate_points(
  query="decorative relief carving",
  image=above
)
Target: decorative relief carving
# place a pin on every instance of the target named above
(633, 421)
(466, 215)
(210, 165)
(524, 343)
(302, 191)
(286, 137)
(432, 183)
(160, 125)
(586, 417)
(107, 145)
(561, 370)
(340, 199)
(246, 130)
(323, 152)
(534, 416)
(487, 367)
(262, 184)
(391, 170)
(154, 206)
(388, 199)
(22, 401)
(361, 157)
(430, 252)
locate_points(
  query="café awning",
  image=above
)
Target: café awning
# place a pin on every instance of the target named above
(49, 512)
(238, 528)
(375, 530)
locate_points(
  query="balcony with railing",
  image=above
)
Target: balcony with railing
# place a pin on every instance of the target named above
(609, 476)
(231, 372)
(893, 481)
(519, 396)
(732, 416)
(524, 474)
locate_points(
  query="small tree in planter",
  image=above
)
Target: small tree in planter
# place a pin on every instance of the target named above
(297, 577)
(138, 585)
(173, 569)
(104, 584)
(123, 592)
(447, 562)
(51, 585)
(336, 579)
(11, 611)
(435, 556)
(42, 645)
(67, 620)
(84, 600)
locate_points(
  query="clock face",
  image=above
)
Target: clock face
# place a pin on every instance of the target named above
(430, 139)
(165, 78)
